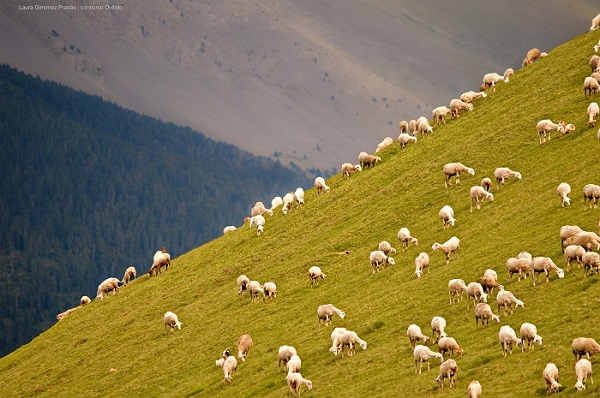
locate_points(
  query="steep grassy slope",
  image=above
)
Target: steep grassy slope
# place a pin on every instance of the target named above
(117, 346)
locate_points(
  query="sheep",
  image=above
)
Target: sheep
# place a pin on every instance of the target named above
(574, 252)
(508, 337)
(228, 229)
(404, 139)
(474, 389)
(386, 248)
(348, 169)
(369, 161)
(590, 86)
(299, 197)
(502, 173)
(422, 354)
(591, 193)
(529, 335)
(84, 300)
(244, 344)
(563, 190)
(170, 319)
(545, 126)
(347, 338)
(405, 238)
(507, 299)
(490, 273)
(314, 274)
(379, 259)
(403, 126)
(387, 141)
(595, 23)
(594, 62)
(276, 202)
(567, 128)
(449, 345)
(566, 231)
(532, 56)
(457, 107)
(438, 326)
(450, 246)
(415, 335)
(421, 262)
(489, 284)
(320, 185)
(590, 261)
(288, 200)
(544, 264)
(583, 239)
(130, 274)
(478, 194)
(242, 282)
(439, 114)
(284, 354)
(456, 288)
(447, 371)
(446, 214)
(424, 128)
(454, 169)
(550, 374)
(486, 183)
(108, 285)
(269, 291)
(484, 312)
(295, 382)
(490, 79)
(294, 364)
(258, 221)
(160, 259)
(584, 346)
(325, 313)
(255, 289)
(229, 364)
(471, 96)
(260, 209)
(63, 314)
(583, 369)
(521, 266)
(593, 110)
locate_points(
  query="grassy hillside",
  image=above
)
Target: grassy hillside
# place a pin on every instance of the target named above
(117, 346)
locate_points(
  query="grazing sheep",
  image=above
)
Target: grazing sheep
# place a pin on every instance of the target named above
(591, 262)
(108, 285)
(532, 56)
(229, 228)
(567, 128)
(471, 96)
(456, 288)
(475, 291)
(529, 335)
(424, 354)
(446, 214)
(450, 246)
(404, 139)
(591, 193)
(424, 128)
(516, 265)
(258, 221)
(161, 259)
(590, 86)
(592, 110)
(506, 299)
(447, 371)
(269, 291)
(457, 107)
(566, 231)
(438, 326)
(544, 128)
(595, 22)
(348, 168)
(405, 238)
(478, 194)
(347, 338)
(486, 183)
(276, 202)
(295, 382)
(454, 169)
(574, 252)
(288, 200)
(255, 289)
(490, 273)
(369, 161)
(170, 319)
(242, 282)
(584, 346)
(550, 374)
(421, 262)
(583, 239)
(439, 114)
(294, 364)
(502, 173)
(320, 185)
(484, 312)
(563, 190)
(284, 354)
(415, 336)
(403, 126)
(490, 79)
(508, 337)
(412, 127)
(489, 284)
(387, 141)
(583, 369)
(386, 248)
(229, 364)
(84, 300)
(260, 209)
(299, 197)
(379, 259)
(129, 275)
(449, 345)
(545, 265)
(474, 389)
(244, 344)
(325, 313)
(594, 62)
(314, 274)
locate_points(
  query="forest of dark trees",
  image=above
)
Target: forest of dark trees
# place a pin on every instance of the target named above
(89, 188)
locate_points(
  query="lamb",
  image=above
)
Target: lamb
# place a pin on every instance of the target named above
(242, 282)
(544, 128)
(449, 345)
(506, 299)
(438, 326)
(379, 259)
(387, 141)
(130, 274)
(255, 289)
(474, 389)
(544, 264)
(325, 313)
(521, 266)
(439, 114)
(446, 214)
(160, 259)
(456, 288)
(508, 337)
(457, 107)
(595, 22)
(405, 238)
(284, 354)
(294, 364)
(260, 209)
(84, 300)
(108, 285)
(447, 371)
(484, 312)
(574, 252)
(529, 335)
(269, 291)
(170, 319)
(369, 161)
(593, 110)
(424, 354)
(583, 369)
(566, 231)
(471, 96)
(244, 344)
(314, 274)
(563, 190)
(590, 86)
(532, 56)
(299, 197)
(404, 139)
(320, 185)
(584, 346)
(295, 382)
(421, 262)
(415, 336)
(454, 169)
(591, 193)
(424, 128)
(229, 364)
(450, 246)
(502, 173)
(276, 202)
(347, 338)
(583, 239)
(590, 261)
(478, 194)
(288, 200)
(486, 183)
(228, 229)
(258, 221)
(550, 374)
(386, 248)
(489, 284)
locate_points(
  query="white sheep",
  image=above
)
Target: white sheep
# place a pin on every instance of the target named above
(490, 79)
(529, 335)
(508, 338)
(584, 239)
(405, 238)
(424, 354)
(335, 340)
(84, 300)
(449, 247)
(325, 313)
(288, 200)
(453, 170)
(348, 169)
(516, 265)
(532, 55)
(284, 354)
(320, 185)
(244, 344)
(591, 194)
(258, 221)
(595, 23)
(403, 126)
(421, 262)
(594, 63)
(457, 107)
(314, 274)
(378, 259)
(386, 248)
(545, 265)
(489, 284)
(347, 338)
(563, 190)
(550, 375)
(584, 346)
(242, 282)
(229, 228)
(567, 231)
(502, 173)
(108, 285)
(63, 314)
(447, 371)
(484, 312)
(387, 141)
(486, 183)
(449, 345)
(446, 214)
(255, 289)
(456, 288)
(574, 252)
(544, 128)
(591, 262)
(439, 114)
(415, 335)
(507, 299)
(583, 369)
(369, 161)
(269, 291)
(296, 381)
(170, 319)
(474, 389)
(438, 326)
(590, 86)
(130, 274)
(228, 363)
(471, 96)
(412, 127)
(593, 110)
(404, 139)
(491, 274)
(294, 364)
(424, 128)
(276, 202)
(299, 197)
(259, 209)
(160, 260)
(478, 194)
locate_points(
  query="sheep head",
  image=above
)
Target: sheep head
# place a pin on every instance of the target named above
(579, 386)
(414, 241)
(390, 261)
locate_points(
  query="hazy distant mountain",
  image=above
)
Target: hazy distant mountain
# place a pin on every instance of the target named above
(311, 81)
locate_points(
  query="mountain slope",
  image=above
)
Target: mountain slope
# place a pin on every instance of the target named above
(117, 346)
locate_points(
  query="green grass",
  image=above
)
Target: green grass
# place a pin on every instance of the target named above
(117, 347)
